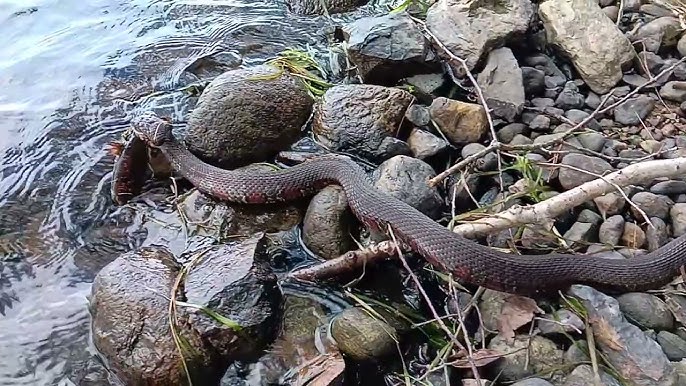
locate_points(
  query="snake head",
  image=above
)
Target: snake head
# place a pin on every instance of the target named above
(152, 129)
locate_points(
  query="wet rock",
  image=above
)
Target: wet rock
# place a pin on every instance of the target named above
(657, 235)
(418, 115)
(405, 179)
(540, 123)
(239, 120)
(561, 321)
(508, 132)
(626, 347)
(633, 236)
(661, 32)
(673, 346)
(424, 144)
(388, 48)
(461, 122)
(678, 216)
(610, 204)
(532, 382)
(646, 310)
(674, 91)
(669, 187)
(652, 204)
(592, 141)
(573, 26)
(470, 30)
(502, 84)
(362, 119)
(361, 336)
(583, 375)
(570, 178)
(570, 98)
(541, 355)
(320, 7)
(533, 81)
(327, 222)
(633, 111)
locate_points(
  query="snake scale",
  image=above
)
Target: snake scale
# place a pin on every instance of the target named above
(467, 260)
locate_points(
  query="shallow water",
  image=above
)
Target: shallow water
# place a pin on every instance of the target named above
(71, 72)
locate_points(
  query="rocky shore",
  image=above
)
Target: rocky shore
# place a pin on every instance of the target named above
(463, 111)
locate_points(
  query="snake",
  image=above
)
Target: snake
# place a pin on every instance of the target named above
(466, 260)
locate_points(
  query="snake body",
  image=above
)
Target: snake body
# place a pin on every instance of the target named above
(466, 260)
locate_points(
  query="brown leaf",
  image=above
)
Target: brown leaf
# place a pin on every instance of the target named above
(516, 311)
(480, 357)
(605, 334)
(323, 370)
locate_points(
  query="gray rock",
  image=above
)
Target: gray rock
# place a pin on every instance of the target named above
(577, 116)
(570, 98)
(540, 123)
(508, 132)
(632, 5)
(669, 187)
(570, 178)
(426, 83)
(471, 30)
(633, 111)
(634, 80)
(459, 121)
(646, 310)
(652, 204)
(405, 179)
(520, 139)
(584, 375)
(318, 7)
(580, 234)
(541, 355)
(362, 119)
(561, 321)
(592, 100)
(649, 63)
(625, 346)
(502, 84)
(543, 102)
(678, 216)
(486, 163)
(681, 46)
(532, 382)
(590, 216)
(658, 234)
(574, 27)
(592, 141)
(612, 12)
(327, 223)
(418, 115)
(610, 204)
(661, 32)
(674, 91)
(361, 336)
(534, 81)
(611, 230)
(238, 120)
(424, 144)
(577, 352)
(633, 236)
(673, 346)
(377, 44)
(655, 10)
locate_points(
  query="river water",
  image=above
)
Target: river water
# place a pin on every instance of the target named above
(71, 73)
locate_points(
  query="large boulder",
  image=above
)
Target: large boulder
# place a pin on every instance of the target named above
(248, 115)
(320, 7)
(472, 29)
(582, 33)
(362, 119)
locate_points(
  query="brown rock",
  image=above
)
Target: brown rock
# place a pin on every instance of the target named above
(633, 236)
(461, 122)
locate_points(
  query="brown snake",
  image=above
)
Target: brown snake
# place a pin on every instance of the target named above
(466, 260)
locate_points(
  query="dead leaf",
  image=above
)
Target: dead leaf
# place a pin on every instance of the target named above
(515, 312)
(480, 357)
(322, 370)
(606, 335)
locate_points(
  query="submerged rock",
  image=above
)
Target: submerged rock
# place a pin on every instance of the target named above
(247, 115)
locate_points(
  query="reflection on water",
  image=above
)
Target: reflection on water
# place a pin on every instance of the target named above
(70, 73)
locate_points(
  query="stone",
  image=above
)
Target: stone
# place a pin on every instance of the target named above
(488, 162)
(634, 80)
(610, 204)
(674, 91)
(611, 230)
(626, 347)
(570, 178)
(633, 236)
(577, 352)
(327, 223)
(541, 355)
(361, 336)
(592, 141)
(240, 120)
(532, 382)
(678, 216)
(560, 322)
(658, 234)
(362, 119)
(502, 84)
(580, 234)
(582, 32)
(404, 178)
(533, 81)
(508, 132)
(669, 187)
(459, 121)
(655, 10)
(612, 12)
(540, 123)
(673, 346)
(681, 46)
(418, 115)
(663, 32)
(424, 144)
(320, 7)
(649, 63)
(578, 116)
(590, 217)
(570, 98)
(471, 30)
(634, 111)
(520, 139)
(652, 204)
(592, 100)
(542, 102)
(584, 375)
(646, 311)
(387, 48)
(426, 83)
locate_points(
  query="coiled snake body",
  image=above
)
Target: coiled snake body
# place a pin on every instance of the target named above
(466, 260)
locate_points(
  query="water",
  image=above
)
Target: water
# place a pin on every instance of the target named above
(71, 73)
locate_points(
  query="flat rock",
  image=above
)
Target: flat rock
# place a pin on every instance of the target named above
(674, 91)
(502, 84)
(626, 347)
(570, 178)
(634, 111)
(239, 120)
(362, 119)
(461, 122)
(472, 29)
(327, 223)
(592, 141)
(580, 234)
(583, 33)
(646, 310)
(654, 205)
(424, 144)
(669, 187)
